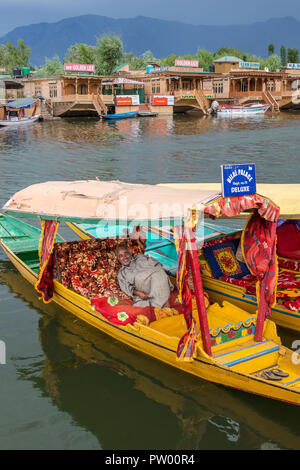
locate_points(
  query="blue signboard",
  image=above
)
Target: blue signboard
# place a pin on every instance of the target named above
(249, 65)
(238, 180)
(158, 69)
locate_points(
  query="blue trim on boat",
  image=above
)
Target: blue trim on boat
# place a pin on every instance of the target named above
(241, 349)
(292, 381)
(252, 356)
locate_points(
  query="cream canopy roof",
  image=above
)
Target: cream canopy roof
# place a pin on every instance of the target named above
(94, 200)
(286, 196)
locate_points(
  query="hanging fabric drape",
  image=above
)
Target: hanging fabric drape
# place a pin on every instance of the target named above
(44, 284)
(258, 246)
(187, 343)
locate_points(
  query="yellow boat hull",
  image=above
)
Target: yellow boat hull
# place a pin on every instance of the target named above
(231, 365)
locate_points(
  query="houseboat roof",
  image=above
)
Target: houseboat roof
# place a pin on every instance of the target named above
(20, 103)
(229, 58)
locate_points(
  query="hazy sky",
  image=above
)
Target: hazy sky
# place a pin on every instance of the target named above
(22, 12)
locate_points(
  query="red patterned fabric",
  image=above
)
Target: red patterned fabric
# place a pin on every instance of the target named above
(122, 312)
(260, 255)
(44, 284)
(186, 344)
(90, 267)
(288, 288)
(230, 207)
(259, 243)
(288, 241)
(290, 264)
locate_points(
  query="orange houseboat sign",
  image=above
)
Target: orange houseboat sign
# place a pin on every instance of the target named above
(127, 100)
(163, 100)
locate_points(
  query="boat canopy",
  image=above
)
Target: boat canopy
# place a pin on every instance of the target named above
(108, 201)
(21, 103)
(286, 196)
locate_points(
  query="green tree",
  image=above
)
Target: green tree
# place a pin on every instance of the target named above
(283, 56)
(24, 53)
(169, 60)
(16, 56)
(205, 58)
(81, 54)
(52, 67)
(147, 56)
(2, 55)
(273, 63)
(293, 55)
(109, 51)
(271, 49)
(223, 51)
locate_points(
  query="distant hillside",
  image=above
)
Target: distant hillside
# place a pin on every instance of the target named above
(161, 37)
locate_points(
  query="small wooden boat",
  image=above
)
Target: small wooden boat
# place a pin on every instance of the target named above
(12, 122)
(250, 109)
(120, 115)
(147, 114)
(217, 342)
(14, 113)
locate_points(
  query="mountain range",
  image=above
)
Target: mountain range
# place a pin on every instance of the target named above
(160, 36)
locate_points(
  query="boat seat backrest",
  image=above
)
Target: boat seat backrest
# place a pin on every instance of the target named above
(218, 258)
(90, 267)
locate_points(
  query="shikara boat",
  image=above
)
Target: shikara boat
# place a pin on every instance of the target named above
(241, 292)
(250, 109)
(14, 113)
(217, 342)
(120, 115)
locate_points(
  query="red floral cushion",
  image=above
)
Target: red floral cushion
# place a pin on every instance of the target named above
(90, 267)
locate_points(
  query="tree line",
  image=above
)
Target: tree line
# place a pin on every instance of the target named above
(108, 53)
(290, 55)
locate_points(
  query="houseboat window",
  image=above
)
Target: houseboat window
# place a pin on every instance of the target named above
(53, 91)
(82, 89)
(37, 90)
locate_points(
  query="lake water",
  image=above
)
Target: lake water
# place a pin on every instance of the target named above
(67, 386)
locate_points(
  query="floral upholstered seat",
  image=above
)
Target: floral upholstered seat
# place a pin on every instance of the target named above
(90, 267)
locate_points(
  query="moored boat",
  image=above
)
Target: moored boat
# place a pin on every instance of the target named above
(242, 292)
(218, 342)
(243, 110)
(147, 114)
(119, 115)
(14, 113)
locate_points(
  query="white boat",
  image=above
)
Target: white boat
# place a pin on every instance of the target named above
(14, 112)
(14, 121)
(243, 110)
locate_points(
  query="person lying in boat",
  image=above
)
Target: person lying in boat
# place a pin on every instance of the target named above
(143, 279)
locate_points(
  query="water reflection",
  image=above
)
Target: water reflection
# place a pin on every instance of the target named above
(127, 400)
